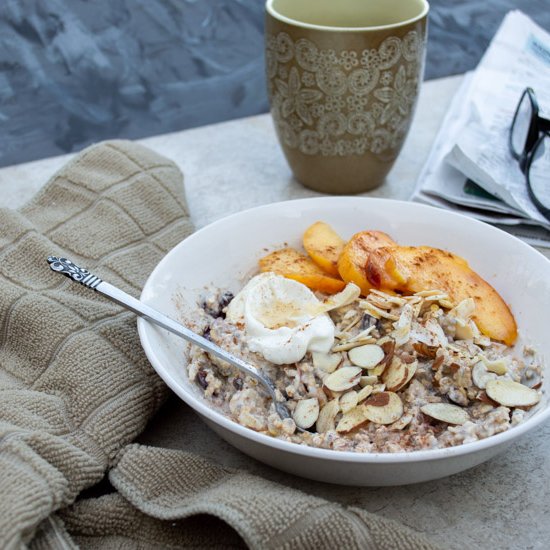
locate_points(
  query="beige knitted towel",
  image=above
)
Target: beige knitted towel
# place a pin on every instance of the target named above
(76, 388)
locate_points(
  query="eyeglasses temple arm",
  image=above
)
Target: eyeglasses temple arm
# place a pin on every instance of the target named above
(544, 124)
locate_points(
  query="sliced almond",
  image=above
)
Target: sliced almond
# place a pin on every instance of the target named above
(398, 374)
(368, 380)
(366, 333)
(306, 413)
(402, 327)
(452, 414)
(363, 393)
(389, 298)
(424, 350)
(411, 371)
(389, 349)
(499, 366)
(395, 374)
(385, 341)
(432, 292)
(403, 422)
(480, 375)
(343, 379)
(345, 297)
(326, 362)
(331, 394)
(464, 331)
(464, 309)
(351, 344)
(348, 401)
(383, 408)
(354, 321)
(366, 357)
(437, 297)
(351, 420)
(325, 421)
(511, 394)
(484, 398)
(438, 361)
(323, 398)
(378, 388)
(407, 358)
(378, 370)
(376, 312)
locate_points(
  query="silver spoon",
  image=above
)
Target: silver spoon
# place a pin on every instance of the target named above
(84, 277)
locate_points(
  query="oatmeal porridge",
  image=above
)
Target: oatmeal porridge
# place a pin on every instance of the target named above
(365, 371)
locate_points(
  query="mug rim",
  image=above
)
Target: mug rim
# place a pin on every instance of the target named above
(296, 23)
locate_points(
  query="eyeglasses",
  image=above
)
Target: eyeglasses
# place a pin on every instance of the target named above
(530, 145)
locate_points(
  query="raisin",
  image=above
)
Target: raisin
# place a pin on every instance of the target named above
(216, 310)
(201, 379)
(369, 321)
(225, 300)
(213, 312)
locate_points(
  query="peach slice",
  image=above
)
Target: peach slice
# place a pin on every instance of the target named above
(292, 264)
(412, 269)
(353, 260)
(324, 246)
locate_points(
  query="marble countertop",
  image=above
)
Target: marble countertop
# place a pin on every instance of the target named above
(504, 503)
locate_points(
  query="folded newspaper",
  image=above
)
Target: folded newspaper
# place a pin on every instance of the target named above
(470, 168)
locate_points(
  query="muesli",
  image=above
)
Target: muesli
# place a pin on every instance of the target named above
(374, 371)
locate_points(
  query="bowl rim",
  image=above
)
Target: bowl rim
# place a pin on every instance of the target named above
(402, 457)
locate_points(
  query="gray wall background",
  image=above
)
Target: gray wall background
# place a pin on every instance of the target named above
(73, 72)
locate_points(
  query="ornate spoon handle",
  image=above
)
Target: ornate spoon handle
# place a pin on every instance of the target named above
(84, 277)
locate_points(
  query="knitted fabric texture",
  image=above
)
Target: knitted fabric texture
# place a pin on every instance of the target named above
(76, 387)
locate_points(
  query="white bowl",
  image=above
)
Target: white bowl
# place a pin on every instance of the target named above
(225, 254)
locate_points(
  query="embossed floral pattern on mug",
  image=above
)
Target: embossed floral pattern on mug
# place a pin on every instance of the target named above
(343, 103)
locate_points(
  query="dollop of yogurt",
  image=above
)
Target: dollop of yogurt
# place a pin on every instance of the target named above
(279, 319)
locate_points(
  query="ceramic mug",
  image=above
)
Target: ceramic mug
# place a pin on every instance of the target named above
(343, 79)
